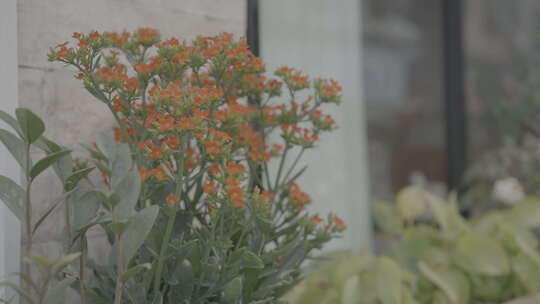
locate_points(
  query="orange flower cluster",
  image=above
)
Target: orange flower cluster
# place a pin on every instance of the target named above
(201, 109)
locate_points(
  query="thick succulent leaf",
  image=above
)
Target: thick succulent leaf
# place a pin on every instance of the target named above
(118, 155)
(389, 281)
(15, 146)
(128, 191)
(182, 289)
(350, 293)
(138, 229)
(527, 272)
(411, 202)
(525, 214)
(84, 209)
(482, 255)
(31, 125)
(46, 162)
(451, 281)
(13, 196)
(387, 218)
(64, 261)
(447, 215)
(233, 291)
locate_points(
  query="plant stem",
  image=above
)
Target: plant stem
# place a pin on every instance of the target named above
(120, 269)
(82, 265)
(28, 215)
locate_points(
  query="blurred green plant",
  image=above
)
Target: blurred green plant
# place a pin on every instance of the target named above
(438, 257)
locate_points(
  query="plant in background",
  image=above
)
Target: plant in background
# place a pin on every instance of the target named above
(191, 206)
(438, 259)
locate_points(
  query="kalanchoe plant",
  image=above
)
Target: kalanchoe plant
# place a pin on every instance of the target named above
(192, 208)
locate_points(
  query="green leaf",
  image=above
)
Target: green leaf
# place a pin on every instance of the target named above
(49, 210)
(452, 282)
(11, 121)
(183, 284)
(233, 291)
(13, 196)
(481, 254)
(134, 271)
(351, 294)
(64, 261)
(447, 215)
(118, 155)
(138, 229)
(250, 260)
(15, 146)
(411, 202)
(57, 294)
(387, 218)
(22, 293)
(84, 208)
(128, 191)
(32, 126)
(73, 180)
(527, 272)
(46, 162)
(389, 278)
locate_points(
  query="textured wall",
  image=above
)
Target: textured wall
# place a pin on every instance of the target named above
(71, 115)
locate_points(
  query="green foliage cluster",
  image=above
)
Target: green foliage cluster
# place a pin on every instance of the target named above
(438, 257)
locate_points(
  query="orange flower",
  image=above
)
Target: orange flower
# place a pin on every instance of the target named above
(209, 187)
(298, 196)
(156, 151)
(173, 142)
(132, 84)
(159, 174)
(186, 123)
(117, 134)
(144, 174)
(212, 147)
(172, 199)
(339, 223)
(316, 219)
(94, 35)
(234, 168)
(117, 104)
(166, 123)
(147, 35)
(267, 196)
(214, 169)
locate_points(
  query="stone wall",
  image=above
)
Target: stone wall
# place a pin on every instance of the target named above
(71, 114)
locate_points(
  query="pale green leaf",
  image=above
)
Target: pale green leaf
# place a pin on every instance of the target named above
(411, 202)
(135, 235)
(11, 121)
(389, 281)
(15, 146)
(452, 282)
(134, 271)
(233, 291)
(481, 254)
(57, 294)
(13, 196)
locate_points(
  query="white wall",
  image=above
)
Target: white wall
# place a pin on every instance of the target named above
(9, 226)
(323, 38)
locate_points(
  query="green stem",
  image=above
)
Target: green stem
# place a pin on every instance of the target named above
(28, 215)
(281, 163)
(84, 249)
(120, 269)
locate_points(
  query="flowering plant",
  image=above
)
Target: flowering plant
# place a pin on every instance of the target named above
(191, 205)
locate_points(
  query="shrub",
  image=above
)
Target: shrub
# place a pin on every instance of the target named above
(442, 259)
(191, 207)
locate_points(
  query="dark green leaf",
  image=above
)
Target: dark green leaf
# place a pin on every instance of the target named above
(46, 162)
(74, 179)
(32, 126)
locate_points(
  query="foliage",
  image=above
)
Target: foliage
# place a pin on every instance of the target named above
(192, 207)
(441, 258)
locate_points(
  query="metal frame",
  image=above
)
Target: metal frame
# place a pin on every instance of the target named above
(454, 91)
